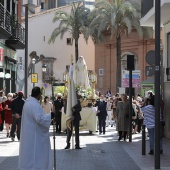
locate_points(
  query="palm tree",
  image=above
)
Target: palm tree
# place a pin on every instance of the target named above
(119, 17)
(74, 22)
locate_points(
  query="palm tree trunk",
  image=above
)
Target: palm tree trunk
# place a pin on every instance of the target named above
(118, 70)
(76, 49)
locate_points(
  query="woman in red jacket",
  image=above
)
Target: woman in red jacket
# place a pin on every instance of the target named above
(8, 113)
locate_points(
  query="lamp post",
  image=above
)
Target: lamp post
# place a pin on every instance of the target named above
(157, 83)
(51, 81)
(33, 68)
(93, 79)
(26, 49)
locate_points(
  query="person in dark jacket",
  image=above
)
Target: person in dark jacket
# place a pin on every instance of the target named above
(16, 107)
(102, 114)
(76, 123)
(58, 104)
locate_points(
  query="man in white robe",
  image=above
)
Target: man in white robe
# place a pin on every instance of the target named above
(35, 150)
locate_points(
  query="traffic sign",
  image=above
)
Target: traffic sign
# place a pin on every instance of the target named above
(150, 58)
(34, 78)
(150, 70)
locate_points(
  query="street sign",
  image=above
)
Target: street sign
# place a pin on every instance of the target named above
(34, 78)
(150, 70)
(136, 78)
(150, 58)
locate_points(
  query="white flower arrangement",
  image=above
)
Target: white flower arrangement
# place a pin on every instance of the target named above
(86, 93)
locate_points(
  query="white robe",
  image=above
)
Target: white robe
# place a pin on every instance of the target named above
(35, 150)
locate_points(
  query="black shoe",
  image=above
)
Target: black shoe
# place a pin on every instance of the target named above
(100, 133)
(103, 133)
(7, 135)
(13, 139)
(67, 147)
(119, 139)
(78, 147)
(161, 151)
(151, 152)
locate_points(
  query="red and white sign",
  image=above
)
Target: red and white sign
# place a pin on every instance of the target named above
(136, 78)
(1, 54)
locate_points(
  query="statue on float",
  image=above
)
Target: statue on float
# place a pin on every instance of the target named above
(80, 74)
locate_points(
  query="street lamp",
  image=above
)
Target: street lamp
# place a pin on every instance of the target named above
(93, 79)
(44, 67)
(27, 7)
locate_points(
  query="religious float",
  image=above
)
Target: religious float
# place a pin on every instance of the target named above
(84, 85)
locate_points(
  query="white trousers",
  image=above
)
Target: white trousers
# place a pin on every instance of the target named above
(109, 118)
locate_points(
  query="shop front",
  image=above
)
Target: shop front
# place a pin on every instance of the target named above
(7, 69)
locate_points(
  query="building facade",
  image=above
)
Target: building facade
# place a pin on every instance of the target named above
(105, 60)
(57, 55)
(148, 19)
(11, 39)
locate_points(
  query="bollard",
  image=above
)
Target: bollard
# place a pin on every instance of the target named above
(143, 140)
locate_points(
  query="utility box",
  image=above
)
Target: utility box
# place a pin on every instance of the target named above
(147, 85)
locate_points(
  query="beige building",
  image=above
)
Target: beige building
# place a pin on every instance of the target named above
(40, 28)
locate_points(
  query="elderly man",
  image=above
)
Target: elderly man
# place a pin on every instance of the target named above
(58, 104)
(35, 150)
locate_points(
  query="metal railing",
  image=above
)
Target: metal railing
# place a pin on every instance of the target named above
(18, 31)
(146, 5)
(10, 24)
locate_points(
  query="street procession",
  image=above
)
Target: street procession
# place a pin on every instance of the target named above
(84, 85)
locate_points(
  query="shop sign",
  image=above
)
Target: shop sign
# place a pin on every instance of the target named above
(8, 52)
(1, 56)
(136, 78)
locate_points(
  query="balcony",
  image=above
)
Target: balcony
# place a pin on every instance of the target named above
(17, 40)
(148, 12)
(5, 24)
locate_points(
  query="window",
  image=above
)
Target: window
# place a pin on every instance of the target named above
(42, 5)
(101, 72)
(69, 41)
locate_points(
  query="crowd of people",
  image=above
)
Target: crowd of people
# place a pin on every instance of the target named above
(11, 113)
(34, 118)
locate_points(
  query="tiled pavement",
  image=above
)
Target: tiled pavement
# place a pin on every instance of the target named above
(102, 152)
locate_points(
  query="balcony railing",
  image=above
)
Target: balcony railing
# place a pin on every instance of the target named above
(9, 23)
(5, 19)
(18, 31)
(146, 5)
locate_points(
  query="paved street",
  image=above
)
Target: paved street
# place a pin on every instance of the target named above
(102, 152)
